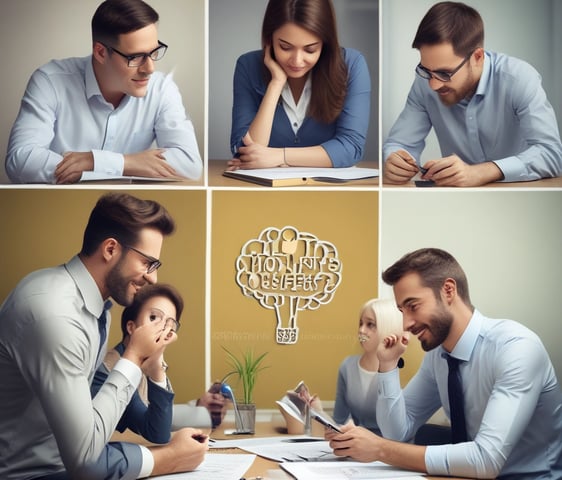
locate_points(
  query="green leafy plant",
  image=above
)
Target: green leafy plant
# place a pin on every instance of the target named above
(246, 367)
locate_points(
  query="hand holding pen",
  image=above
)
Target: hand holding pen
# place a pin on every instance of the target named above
(399, 167)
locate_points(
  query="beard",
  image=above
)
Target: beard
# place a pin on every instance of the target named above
(454, 96)
(118, 285)
(439, 328)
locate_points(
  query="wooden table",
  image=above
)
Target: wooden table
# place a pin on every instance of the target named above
(545, 183)
(261, 466)
(217, 179)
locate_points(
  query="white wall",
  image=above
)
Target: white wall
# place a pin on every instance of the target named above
(508, 243)
(235, 28)
(36, 31)
(522, 28)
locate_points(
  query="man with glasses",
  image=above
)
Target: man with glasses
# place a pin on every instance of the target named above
(53, 332)
(489, 111)
(106, 112)
(151, 413)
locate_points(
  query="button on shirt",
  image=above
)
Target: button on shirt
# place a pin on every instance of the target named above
(63, 110)
(296, 112)
(508, 121)
(49, 341)
(513, 404)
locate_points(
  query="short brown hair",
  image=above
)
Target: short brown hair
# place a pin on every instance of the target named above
(329, 76)
(433, 266)
(122, 216)
(454, 23)
(116, 17)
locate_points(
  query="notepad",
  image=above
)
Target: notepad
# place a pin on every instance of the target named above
(298, 176)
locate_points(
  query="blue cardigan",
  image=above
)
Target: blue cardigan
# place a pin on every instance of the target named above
(343, 140)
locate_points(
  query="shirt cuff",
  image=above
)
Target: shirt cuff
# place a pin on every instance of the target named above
(129, 370)
(389, 383)
(436, 460)
(147, 462)
(108, 163)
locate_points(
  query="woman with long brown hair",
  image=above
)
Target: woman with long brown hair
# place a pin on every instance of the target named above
(302, 100)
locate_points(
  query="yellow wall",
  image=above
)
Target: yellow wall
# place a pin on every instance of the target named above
(44, 227)
(348, 220)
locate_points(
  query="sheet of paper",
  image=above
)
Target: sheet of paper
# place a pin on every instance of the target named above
(218, 466)
(349, 173)
(100, 177)
(243, 443)
(294, 451)
(347, 470)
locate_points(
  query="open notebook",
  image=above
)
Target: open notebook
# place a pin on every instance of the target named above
(296, 176)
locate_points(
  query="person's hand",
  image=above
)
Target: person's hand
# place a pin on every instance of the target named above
(357, 443)
(148, 163)
(452, 171)
(184, 453)
(390, 350)
(254, 155)
(277, 73)
(399, 167)
(148, 342)
(70, 169)
(214, 402)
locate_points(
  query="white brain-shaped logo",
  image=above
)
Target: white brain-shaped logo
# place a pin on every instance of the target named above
(288, 271)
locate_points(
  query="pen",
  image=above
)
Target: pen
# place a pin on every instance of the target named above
(200, 437)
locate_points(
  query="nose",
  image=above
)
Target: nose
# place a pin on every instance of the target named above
(297, 58)
(435, 84)
(407, 321)
(147, 67)
(152, 277)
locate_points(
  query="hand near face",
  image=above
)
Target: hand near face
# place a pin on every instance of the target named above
(452, 171)
(148, 342)
(357, 443)
(399, 167)
(70, 169)
(149, 163)
(390, 350)
(277, 73)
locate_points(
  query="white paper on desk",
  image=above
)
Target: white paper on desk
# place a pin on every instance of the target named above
(294, 452)
(218, 466)
(347, 470)
(90, 176)
(243, 443)
(324, 174)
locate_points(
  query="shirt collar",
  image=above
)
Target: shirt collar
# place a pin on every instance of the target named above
(87, 286)
(485, 77)
(464, 347)
(92, 87)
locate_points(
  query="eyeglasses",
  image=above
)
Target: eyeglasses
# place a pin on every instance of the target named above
(139, 59)
(157, 315)
(439, 74)
(152, 263)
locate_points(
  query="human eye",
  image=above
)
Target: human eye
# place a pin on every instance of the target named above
(154, 316)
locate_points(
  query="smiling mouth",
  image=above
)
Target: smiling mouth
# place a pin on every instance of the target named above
(363, 338)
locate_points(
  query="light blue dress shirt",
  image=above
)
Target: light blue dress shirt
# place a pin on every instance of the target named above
(513, 404)
(63, 110)
(344, 140)
(508, 121)
(49, 343)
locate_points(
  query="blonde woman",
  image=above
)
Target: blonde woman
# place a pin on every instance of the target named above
(356, 394)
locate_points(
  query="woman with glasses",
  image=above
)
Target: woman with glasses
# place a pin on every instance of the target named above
(302, 100)
(108, 114)
(151, 413)
(489, 111)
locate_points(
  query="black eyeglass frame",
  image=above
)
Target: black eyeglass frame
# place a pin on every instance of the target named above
(144, 56)
(439, 74)
(154, 263)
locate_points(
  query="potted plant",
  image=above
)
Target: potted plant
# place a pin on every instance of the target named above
(246, 367)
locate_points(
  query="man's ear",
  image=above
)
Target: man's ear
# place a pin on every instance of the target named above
(479, 56)
(110, 249)
(100, 52)
(449, 290)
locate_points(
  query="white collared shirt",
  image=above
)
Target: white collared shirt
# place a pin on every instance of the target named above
(296, 111)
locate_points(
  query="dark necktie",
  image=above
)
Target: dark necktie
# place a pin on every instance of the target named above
(456, 401)
(102, 327)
